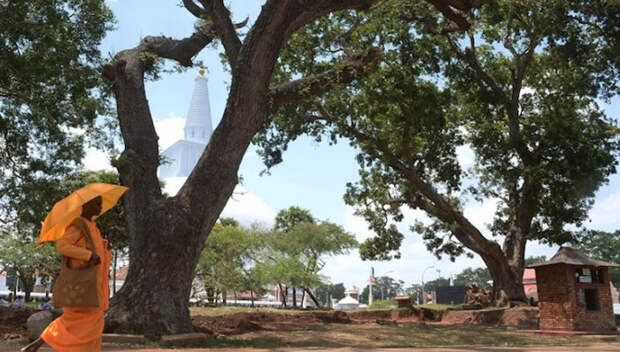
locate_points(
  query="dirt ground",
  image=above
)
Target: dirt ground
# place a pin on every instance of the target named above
(13, 323)
(347, 331)
(245, 322)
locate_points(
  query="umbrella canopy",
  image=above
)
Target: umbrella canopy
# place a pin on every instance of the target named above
(70, 208)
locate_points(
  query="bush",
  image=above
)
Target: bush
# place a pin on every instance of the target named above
(384, 304)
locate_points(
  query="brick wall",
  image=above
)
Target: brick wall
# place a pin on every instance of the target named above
(560, 306)
(602, 319)
(553, 296)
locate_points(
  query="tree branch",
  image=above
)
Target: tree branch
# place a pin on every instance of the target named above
(469, 235)
(224, 28)
(303, 14)
(444, 6)
(316, 84)
(180, 50)
(195, 10)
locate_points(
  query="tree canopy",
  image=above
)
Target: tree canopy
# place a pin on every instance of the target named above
(520, 88)
(478, 276)
(51, 94)
(385, 287)
(20, 250)
(296, 254)
(603, 245)
(237, 259)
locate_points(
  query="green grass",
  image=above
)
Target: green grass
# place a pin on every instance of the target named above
(227, 310)
(384, 304)
(440, 307)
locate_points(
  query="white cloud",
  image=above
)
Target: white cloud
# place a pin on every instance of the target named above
(244, 206)
(604, 213)
(356, 225)
(536, 249)
(96, 160)
(169, 131)
(247, 208)
(481, 214)
(465, 156)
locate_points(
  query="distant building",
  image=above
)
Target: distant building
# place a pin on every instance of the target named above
(354, 292)
(574, 292)
(182, 156)
(3, 286)
(120, 276)
(450, 294)
(349, 302)
(529, 285)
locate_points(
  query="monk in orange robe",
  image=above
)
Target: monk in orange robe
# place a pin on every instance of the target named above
(80, 329)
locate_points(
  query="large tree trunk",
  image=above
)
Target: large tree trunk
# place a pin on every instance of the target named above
(507, 280)
(155, 297)
(294, 297)
(506, 269)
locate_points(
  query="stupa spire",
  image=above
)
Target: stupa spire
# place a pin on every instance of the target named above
(198, 125)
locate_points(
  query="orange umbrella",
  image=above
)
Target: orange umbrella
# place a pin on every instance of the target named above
(70, 208)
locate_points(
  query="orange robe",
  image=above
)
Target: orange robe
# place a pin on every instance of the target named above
(80, 329)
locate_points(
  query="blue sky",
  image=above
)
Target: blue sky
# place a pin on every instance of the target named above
(313, 175)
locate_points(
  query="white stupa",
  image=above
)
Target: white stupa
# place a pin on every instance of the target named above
(347, 303)
(183, 154)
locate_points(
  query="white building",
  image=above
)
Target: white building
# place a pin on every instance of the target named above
(183, 154)
(3, 281)
(347, 303)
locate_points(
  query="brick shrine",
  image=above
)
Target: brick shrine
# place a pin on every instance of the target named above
(574, 292)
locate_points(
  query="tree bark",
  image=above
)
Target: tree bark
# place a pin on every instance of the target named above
(283, 295)
(312, 297)
(114, 272)
(28, 286)
(294, 297)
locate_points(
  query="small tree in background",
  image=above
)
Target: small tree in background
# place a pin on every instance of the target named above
(299, 244)
(604, 246)
(325, 292)
(28, 261)
(385, 288)
(478, 276)
(221, 267)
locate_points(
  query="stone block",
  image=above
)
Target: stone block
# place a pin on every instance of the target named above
(184, 340)
(37, 322)
(124, 339)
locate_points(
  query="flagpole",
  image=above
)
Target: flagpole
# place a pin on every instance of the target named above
(370, 293)
(372, 278)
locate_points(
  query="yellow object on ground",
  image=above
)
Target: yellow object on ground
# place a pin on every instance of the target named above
(70, 208)
(81, 329)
